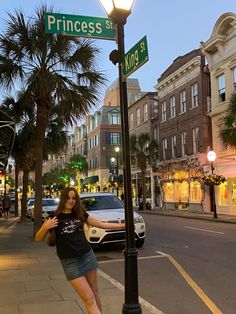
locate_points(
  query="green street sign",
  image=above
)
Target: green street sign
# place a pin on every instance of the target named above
(135, 57)
(77, 25)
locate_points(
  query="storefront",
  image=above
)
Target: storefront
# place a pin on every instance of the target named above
(182, 189)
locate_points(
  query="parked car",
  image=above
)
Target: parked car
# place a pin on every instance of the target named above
(109, 208)
(48, 205)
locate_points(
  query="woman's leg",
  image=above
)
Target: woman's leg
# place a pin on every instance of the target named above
(92, 280)
(84, 290)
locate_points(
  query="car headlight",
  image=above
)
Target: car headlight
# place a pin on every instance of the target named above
(138, 219)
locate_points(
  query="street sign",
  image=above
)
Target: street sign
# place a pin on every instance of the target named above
(77, 25)
(135, 57)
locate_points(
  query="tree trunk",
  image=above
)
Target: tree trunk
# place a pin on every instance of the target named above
(24, 196)
(42, 120)
(144, 189)
(16, 190)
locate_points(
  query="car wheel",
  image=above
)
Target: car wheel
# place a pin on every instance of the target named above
(139, 242)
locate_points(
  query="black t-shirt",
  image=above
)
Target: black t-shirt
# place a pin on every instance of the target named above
(70, 237)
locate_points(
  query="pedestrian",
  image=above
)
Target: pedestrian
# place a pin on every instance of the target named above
(74, 251)
(6, 204)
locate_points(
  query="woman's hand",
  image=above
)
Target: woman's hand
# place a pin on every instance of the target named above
(51, 223)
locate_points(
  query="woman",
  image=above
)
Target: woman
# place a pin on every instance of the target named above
(77, 258)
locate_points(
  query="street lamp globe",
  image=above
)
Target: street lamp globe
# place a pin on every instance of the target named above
(117, 149)
(211, 155)
(113, 159)
(112, 7)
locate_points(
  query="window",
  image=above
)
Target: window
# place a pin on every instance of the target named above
(145, 113)
(173, 146)
(131, 121)
(115, 138)
(221, 88)
(234, 78)
(164, 148)
(115, 118)
(138, 117)
(156, 134)
(163, 111)
(195, 140)
(194, 95)
(184, 143)
(112, 138)
(183, 103)
(172, 107)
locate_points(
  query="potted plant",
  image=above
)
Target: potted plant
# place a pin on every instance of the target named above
(213, 179)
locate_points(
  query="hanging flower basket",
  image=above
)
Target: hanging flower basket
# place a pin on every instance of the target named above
(213, 179)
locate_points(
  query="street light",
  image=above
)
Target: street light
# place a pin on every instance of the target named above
(211, 156)
(117, 150)
(119, 10)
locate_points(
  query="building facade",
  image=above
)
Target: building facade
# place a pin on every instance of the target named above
(220, 52)
(141, 114)
(183, 130)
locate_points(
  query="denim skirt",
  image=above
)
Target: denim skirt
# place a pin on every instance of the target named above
(76, 267)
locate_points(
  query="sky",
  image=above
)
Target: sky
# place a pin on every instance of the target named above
(173, 28)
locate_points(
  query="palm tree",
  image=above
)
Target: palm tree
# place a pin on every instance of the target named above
(57, 72)
(24, 146)
(143, 152)
(228, 134)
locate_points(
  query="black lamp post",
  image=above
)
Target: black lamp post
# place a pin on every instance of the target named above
(211, 156)
(119, 10)
(117, 150)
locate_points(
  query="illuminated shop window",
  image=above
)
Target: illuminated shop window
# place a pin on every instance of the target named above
(182, 192)
(195, 192)
(233, 193)
(168, 191)
(223, 194)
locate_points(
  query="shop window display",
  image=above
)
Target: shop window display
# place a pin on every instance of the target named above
(234, 194)
(195, 192)
(169, 191)
(182, 191)
(223, 194)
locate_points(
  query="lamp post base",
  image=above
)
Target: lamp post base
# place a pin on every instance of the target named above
(131, 309)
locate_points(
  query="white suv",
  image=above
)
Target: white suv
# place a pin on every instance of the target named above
(108, 208)
(48, 205)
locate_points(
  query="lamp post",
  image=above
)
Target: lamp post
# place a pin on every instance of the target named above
(117, 150)
(211, 156)
(119, 10)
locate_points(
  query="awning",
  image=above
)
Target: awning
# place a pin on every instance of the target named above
(7, 136)
(90, 180)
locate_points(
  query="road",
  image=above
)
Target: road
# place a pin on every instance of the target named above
(186, 266)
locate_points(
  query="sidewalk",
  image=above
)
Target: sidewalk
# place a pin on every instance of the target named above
(191, 215)
(33, 282)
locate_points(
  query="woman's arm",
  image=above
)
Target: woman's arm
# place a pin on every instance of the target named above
(92, 221)
(48, 224)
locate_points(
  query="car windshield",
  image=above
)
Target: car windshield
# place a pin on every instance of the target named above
(101, 202)
(50, 202)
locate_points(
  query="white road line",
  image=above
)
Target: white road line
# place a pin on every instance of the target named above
(150, 308)
(161, 255)
(205, 230)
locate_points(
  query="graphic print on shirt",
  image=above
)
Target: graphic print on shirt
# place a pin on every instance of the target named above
(71, 226)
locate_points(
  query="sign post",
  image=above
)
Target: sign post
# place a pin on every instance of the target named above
(77, 25)
(135, 57)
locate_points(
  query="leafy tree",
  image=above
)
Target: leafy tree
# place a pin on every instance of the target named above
(228, 134)
(78, 163)
(143, 151)
(58, 72)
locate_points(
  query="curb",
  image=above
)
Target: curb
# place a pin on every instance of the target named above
(191, 216)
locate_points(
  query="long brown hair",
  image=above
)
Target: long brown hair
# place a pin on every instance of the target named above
(78, 208)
